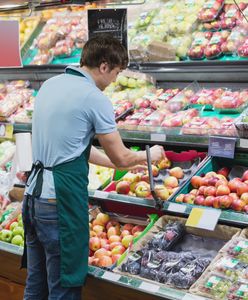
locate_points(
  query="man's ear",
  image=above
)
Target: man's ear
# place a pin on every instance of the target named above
(103, 67)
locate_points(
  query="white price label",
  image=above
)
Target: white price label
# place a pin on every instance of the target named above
(101, 194)
(158, 137)
(111, 276)
(243, 143)
(149, 287)
(193, 297)
(177, 207)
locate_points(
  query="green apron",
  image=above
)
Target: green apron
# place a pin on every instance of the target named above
(71, 181)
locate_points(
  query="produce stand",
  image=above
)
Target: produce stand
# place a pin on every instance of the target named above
(227, 72)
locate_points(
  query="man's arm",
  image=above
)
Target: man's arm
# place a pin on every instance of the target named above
(122, 157)
(99, 158)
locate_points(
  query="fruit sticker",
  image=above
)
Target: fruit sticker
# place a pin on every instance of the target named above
(241, 246)
(134, 256)
(243, 290)
(213, 281)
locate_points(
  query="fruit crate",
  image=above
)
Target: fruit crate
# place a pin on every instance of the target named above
(189, 241)
(188, 161)
(236, 166)
(110, 241)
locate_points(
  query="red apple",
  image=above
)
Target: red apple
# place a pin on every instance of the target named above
(225, 201)
(179, 198)
(245, 176)
(194, 192)
(123, 187)
(92, 233)
(98, 229)
(246, 209)
(114, 238)
(176, 172)
(199, 200)
(171, 181)
(242, 188)
(113, 245)
(209, 201)
(233, 184)
(212, 181)
(224, 171)
(94, 243)
(216, 202)
(162, 192)
(209, 191)
(201, 190)
(115, 258)
(196, 181)
(124, 233)
(113, 231)
(102, 235)
(210, 174)
(155, 171)
(104, 242)
(139, 228)
(238, 205)
(189, 198)
(101, 252)
(142, 189)
(105, 261)
(234, 196)
(164, 164)
(113, 223)
(221, 182)
(90, 260)
(128, 227)
(222, 190)
(102, 218)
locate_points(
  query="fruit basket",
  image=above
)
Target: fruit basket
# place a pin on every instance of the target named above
(172, 254)
(217, 186)
(111, 234)
(170, 173)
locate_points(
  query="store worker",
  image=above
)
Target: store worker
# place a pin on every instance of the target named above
(70, 109)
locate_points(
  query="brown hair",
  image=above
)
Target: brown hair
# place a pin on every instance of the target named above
(104, 48)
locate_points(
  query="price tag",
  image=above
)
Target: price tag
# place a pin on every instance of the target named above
(221, 146)
(6, 131)
(158, 137)
(149, 287)
(203, 218)
(193, 297)
(112, 21)
(177, 207)
(111, 276)
(243, 143)
(101, 194)
(10, 44)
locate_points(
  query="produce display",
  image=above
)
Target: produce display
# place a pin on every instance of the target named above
(218, 190)
(98, 176)
(109, 239)
(170, 255)
(15, 99)
(169, 174)
(26, 28)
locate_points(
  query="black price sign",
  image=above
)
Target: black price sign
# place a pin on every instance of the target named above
(112, 21)
(221, 146)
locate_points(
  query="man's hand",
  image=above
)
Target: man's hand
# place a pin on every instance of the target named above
(157, 153)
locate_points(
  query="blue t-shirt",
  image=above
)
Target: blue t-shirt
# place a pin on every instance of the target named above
(69, 110)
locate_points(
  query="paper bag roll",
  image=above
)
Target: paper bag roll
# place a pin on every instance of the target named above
(24, 151)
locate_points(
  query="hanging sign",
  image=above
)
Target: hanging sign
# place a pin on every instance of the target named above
(10, 56)
(221, 146)
(112, 21)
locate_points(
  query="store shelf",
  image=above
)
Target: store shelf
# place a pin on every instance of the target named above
(11, 248)
(142, 285)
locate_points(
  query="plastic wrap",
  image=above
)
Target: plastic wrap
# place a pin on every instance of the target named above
(234, 41)
(238, 248)
(214, 47)
(201, 40)
(42, 58)
(243, 49)
(210, 10)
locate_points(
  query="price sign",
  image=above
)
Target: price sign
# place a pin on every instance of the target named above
(149, 287)
(111, 276)
(203, 218)
(112, 21)
(221, 146)
(179, 208)
(6, 131)
(10, 44)
(158, 137)
(101, 194)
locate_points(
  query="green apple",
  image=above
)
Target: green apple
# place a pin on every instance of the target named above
(131, 83)
(6, 235)
(17, 240)
(19, 217)
(13, 225)
(20, 223)
(18, 230)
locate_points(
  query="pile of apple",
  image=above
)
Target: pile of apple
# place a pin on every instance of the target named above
(138, 184)
(235, 40)
(243, 49)
(13, 232)
(201, 40)
(210, 10)
(109, 239)
(210, 125)
(214, 189)
(231, 99)
(214, 47)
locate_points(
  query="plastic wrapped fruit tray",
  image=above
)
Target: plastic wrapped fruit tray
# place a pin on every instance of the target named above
(175, 255)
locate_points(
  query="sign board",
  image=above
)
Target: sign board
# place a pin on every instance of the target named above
(10, 56)
(203, 218)
(221, 146)
(112, 21)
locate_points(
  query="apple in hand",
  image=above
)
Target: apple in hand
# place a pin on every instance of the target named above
(176, 172)
(155, 171)
(164, 164)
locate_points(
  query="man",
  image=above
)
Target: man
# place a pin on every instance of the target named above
(70, 110)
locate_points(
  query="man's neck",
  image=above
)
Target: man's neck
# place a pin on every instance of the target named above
(94, 73)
